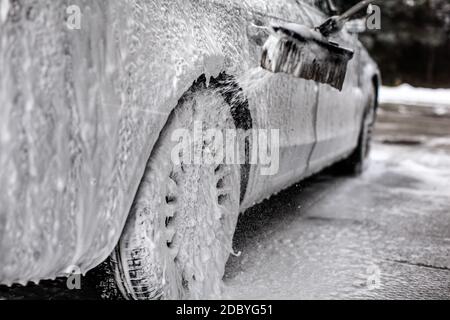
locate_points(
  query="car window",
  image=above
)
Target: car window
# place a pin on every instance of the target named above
(321, 5)
(316, 5)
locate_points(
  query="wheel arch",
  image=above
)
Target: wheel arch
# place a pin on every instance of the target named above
(234, 96)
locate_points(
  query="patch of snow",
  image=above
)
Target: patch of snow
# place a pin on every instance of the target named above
(407, 94)
(4, 9)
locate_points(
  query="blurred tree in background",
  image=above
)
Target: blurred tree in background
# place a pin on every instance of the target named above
(413, 45)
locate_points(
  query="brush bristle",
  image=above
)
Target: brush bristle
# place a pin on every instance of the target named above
(306, 58)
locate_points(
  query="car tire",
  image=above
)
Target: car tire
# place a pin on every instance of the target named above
(357, 162)
(179, 233)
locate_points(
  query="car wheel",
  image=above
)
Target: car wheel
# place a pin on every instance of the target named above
(356, 163)
(178, 236)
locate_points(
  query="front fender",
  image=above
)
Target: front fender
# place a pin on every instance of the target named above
(80, 111)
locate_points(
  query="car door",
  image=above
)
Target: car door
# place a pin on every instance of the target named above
(339, 113)
(279, 101)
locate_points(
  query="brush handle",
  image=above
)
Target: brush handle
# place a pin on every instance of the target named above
(335, 24)
(353, 10)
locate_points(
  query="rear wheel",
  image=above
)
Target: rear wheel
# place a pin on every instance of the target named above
(179, 233)
(356, 163)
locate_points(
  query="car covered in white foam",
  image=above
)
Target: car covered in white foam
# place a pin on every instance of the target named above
(91, 97)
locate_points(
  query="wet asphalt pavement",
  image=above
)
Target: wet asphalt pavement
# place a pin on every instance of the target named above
(384, 235)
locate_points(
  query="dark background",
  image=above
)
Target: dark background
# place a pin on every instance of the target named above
(413, 45)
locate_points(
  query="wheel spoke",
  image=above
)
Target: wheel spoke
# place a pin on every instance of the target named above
(170, 234)
(224, 191)
(173, 251)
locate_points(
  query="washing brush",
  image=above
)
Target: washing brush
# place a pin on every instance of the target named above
(308, 53)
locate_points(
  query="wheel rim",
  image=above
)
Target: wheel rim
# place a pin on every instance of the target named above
(182, 225)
